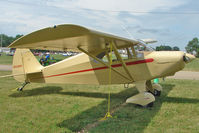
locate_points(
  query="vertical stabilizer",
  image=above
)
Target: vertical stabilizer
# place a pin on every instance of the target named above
(24, 62)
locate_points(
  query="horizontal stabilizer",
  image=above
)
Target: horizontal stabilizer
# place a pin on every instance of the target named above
(147, 41)
(5, 76)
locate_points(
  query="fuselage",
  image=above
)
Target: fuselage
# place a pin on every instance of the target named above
(82, 69)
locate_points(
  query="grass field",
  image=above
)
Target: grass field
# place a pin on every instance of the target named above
(6, 60)
(193, 66)
(71, 108)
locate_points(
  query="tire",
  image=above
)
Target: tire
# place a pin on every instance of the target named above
(156, 92)
(150, 105)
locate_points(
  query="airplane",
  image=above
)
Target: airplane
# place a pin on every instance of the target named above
(103, 59)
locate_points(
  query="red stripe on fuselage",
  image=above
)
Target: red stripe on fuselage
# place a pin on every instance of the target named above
(105, 67)
(17, 66)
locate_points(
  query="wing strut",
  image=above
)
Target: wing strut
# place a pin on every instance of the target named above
(121, 60)
(103, 63)
(5, 76)
(133, 50)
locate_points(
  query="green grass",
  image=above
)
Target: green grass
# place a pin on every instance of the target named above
(70, 108)
(193, 66)
(6, 60)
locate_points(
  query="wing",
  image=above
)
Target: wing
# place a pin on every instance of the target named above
(68, 38)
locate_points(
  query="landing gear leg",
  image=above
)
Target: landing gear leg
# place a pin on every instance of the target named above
(23, 85)
(157, 92)
(155, 89)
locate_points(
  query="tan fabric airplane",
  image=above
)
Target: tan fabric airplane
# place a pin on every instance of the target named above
(132, 62)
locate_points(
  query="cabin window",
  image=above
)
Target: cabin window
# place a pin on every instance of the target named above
(102, 56)
(139, 48)
(131, 52)
(105, 58)
(139, 51)
(143, 48)
(114, 57)
(125, 53)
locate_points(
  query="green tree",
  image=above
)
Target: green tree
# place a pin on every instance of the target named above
(175, 48)
(193, 46)
(18, 36)
(7, 40)
(167, 48)
(163, 48)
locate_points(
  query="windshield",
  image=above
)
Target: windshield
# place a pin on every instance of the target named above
(142, 46)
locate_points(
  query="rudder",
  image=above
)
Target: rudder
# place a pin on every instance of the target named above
(24, 62)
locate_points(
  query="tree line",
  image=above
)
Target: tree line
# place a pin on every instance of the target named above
(167, 48)
(7, 40)
(192, 46)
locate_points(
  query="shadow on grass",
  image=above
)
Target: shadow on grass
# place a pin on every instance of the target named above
(57, 90)
(38, 91)
(180, 100)
(127, 118)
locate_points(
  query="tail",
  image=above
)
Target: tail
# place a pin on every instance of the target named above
(25, 63)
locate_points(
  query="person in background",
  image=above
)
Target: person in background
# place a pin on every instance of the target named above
(47, 56)
(42, 60)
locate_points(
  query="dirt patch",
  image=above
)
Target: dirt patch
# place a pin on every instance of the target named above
(186, 75)
(5, 67)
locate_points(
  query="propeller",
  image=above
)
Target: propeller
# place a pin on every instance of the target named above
(188, 57)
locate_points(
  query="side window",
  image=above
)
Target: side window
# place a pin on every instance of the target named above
(125, 53)
(104, 58)
(114, 57)
(138, 51)
(139, 48)
(133, 52)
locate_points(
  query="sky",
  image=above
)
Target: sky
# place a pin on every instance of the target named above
(170, 22)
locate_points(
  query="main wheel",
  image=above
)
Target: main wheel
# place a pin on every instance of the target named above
(150, 104)
(145, 106)
(156, 92)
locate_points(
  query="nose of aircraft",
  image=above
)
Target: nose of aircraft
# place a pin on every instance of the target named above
(188, 57)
